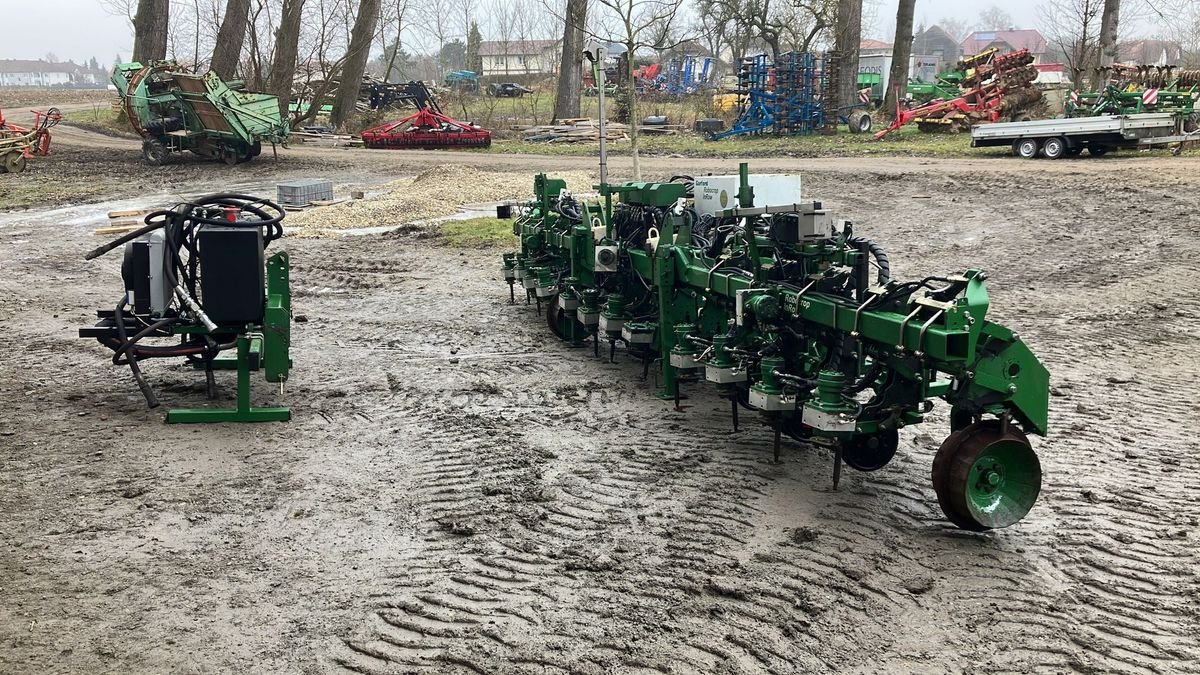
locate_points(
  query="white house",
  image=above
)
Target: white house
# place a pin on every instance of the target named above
(519, 57)
(22, 73)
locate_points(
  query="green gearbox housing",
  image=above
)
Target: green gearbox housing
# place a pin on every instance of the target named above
(793, 315)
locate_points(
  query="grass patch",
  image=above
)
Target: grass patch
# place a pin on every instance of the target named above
(477, 233)
(101, 119)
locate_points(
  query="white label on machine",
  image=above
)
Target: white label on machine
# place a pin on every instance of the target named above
(717, 193)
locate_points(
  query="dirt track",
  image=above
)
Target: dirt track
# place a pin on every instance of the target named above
(459, 493)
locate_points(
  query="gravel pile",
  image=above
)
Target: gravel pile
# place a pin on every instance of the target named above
(438, 192)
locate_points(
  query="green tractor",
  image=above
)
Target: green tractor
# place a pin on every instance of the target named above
(174, 111)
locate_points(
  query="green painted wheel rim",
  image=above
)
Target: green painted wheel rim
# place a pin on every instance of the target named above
(1002, 484)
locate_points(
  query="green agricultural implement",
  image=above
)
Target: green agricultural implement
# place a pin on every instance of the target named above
(175, 111)
(793, 315)
(198, 282)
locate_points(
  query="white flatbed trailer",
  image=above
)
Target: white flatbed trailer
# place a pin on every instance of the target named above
(1099, 135)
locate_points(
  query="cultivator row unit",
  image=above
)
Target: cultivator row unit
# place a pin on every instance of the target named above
(795, 316)
(785, 97)
(18, 143)
(995, 87)
(197, 281)
(427, 129)
(175, 111)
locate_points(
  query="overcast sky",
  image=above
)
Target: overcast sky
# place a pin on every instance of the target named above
(81, 29)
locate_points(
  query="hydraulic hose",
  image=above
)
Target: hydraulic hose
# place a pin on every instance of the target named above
(881, 259)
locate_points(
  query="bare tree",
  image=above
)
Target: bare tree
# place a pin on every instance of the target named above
(994, 18)
(150, 26)
(632, 24)
(287, 46)
(901, 53)
(1073, 27)
(847, 34)
(228, 50)
(356, 60)
(570, 82)
(958, 29)
(1109, 19)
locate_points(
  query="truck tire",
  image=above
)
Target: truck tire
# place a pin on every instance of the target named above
(1097, 149)
(1026, 148)
(859, 121)
(154, 152)
(1054, 148)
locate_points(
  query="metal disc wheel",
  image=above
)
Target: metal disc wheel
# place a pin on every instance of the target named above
(1054, 148)
(1025, 148)
(871, 453)
(986, 477)
(14, 162)
(154, 152)
(559, 321)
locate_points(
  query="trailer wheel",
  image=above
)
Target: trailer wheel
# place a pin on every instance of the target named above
(1097, 149)
(859, 121)
(154, 152)
(1054, 148)
(1025, 148)
(14, 162)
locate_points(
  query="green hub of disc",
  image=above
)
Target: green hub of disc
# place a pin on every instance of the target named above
(1003, 484)
(769, 382)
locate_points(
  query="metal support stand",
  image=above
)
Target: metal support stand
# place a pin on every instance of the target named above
(243, 412)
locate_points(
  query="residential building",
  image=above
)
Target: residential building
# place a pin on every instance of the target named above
(519, 57)
(1005, 41)
(23, 73)
(939, 46)
(1150, 53)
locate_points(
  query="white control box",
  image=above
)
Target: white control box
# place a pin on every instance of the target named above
(717, 193)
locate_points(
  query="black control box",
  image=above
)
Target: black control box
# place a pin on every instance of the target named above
(232, 285)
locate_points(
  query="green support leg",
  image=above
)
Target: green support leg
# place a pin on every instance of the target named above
(244, 412)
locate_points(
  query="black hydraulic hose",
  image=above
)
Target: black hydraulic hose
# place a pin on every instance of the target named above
(129, 343)
(881, 259)
(146, 229)
(868, 378)
(131, 359)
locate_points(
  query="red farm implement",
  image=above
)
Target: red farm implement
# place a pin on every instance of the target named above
(17, 143)
(427, 129)
(996, 88)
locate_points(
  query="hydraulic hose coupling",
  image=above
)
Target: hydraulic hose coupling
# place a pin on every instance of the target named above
(767, 392)
(612, 319)
(683, 354)
(589, 311)
(530, 280)
(509, 269)
(545, 283)
(722, 368)
(568, 300)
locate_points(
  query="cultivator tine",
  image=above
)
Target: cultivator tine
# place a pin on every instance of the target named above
(734, 401)
(778, 440)
(837, 464)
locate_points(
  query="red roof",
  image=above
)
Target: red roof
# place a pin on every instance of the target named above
(874, 44)
(1017, 39)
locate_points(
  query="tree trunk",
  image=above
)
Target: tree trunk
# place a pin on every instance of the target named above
(283, 62)
(631, 82)
(897, 82)
(847, 36)
(1108, 40)
(228, 49)
(570, 85)
(356, 60)
(150, 26)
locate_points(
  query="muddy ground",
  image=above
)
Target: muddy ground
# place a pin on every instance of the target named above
(458, 493)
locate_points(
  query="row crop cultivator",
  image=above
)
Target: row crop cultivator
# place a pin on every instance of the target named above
(793, 315)
(995, 87)
(18, 143)
(786, 96)
(175, 111)
(1132, 90)
(427, 129)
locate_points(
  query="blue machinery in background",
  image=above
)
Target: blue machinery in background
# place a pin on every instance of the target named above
(784, 98)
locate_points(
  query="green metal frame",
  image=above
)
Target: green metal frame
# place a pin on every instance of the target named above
(265, 348)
